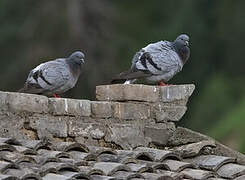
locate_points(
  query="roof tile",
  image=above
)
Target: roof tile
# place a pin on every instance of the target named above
(231, 170)
(11, 141)
(75, 175)
(69, 146)
(240, 178)
(107, 158)
(177, 166)
(8, 177)
(6, 147)
(25, 150)
(52, 176)
(6, 165)
(140, 168)
(34, 144)
(193, 149)
(79, 156)
(15, 157)
(159, 155)
(154, 176)
(22, 173)
(127, 175)
(110, 168)
(99, 177)
(155, 165)
(197, 174)
(90, 171)
(44, 160)
(122, 154)
(211, 162)
(174, 175)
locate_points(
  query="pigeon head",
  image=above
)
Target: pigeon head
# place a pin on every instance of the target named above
(77, 57)
(181, 45)
(182, 40)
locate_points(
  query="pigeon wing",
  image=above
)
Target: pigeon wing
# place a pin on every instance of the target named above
(159, 58)
(154, 59)
(48, 77)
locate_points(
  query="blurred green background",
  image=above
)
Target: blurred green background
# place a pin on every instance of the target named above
(110, 32)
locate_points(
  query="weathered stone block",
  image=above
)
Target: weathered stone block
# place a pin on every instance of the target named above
(27, 102)
(176, 92)
(159, 133)
(64, 106)
(109, 93)
(12, 126)
(3, 100)
(81, 129)
(131, 111)
(101, 109)
(127, 136)
(48, 126)
(183, 136)
(127, 92)
(89, 141)
(193, 149)
(164, 113)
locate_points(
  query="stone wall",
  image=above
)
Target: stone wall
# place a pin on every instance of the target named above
(123, 117)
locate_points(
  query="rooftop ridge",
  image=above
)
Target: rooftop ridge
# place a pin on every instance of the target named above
(122, 117)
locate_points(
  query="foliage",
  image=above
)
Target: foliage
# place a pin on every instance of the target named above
(231, 126)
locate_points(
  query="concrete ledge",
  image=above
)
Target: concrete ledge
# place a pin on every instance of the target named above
(130, 92)
(176, 92)
(135, 102)
(63, 106)
(138, 92)
(23, 102)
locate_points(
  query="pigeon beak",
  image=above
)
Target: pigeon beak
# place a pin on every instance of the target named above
(187, 43)
(82, 60)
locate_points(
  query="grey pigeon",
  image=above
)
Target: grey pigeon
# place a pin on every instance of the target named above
(55, 77)
(157, 62)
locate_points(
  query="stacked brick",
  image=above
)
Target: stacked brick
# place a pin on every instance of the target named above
(124, 116)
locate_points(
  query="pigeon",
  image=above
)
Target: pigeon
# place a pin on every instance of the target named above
(55, 77)
(157, 62)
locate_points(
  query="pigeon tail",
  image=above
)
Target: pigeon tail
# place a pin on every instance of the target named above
(31, 89)
(129, 75)
(22, 90)
(118, 81)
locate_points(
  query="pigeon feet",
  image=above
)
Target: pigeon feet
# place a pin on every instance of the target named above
(161, 83)
(56, 95)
